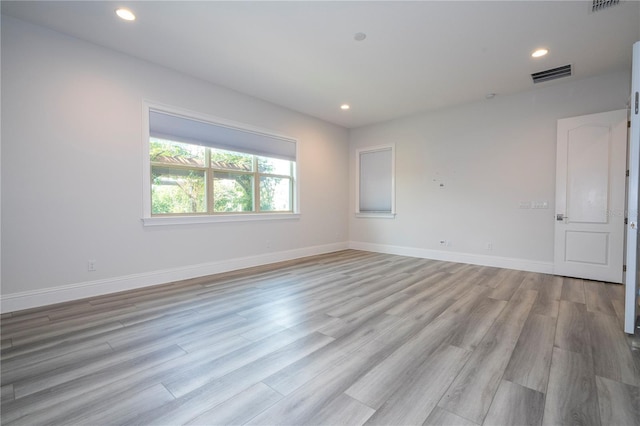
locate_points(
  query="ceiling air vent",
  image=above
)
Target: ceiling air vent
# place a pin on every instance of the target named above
(552, 74)
(598, 5)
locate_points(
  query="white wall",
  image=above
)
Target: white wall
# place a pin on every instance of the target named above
(72, 174)
(489, 155)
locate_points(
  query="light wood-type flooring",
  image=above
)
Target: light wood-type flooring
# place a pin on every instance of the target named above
(347, 338)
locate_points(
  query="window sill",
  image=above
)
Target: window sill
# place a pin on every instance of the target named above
(191, 220)
(383, 215)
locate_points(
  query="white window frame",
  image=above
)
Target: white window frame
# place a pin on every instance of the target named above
(378, 214)
(149, 220)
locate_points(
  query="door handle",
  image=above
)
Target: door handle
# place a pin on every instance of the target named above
(560, 217)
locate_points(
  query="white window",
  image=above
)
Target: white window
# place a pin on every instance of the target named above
(206, 168)
(375, 181)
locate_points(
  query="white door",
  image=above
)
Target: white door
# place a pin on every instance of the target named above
(631, 279)
(590, 196)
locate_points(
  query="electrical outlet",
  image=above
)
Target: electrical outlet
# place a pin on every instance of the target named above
(91, 265)
(488, 246)
(443, 243)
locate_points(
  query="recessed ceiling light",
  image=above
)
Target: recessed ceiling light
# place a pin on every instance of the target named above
(125, 14)
(359, 36)
(345, 107)
(539, 53)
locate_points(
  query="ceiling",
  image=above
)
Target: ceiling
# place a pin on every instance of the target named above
(417, 56)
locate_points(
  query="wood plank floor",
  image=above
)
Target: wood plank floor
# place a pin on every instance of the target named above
(346, 338)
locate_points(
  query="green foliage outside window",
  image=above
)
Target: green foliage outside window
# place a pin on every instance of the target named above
(177, 193)
(232, 193)
(185, 176)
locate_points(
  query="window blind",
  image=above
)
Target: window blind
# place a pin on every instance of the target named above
(376, 180)
(182, 129)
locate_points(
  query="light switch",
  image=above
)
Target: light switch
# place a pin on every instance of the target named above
(540, 204)
(524, 205)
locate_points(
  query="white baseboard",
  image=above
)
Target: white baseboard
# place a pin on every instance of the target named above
(449, 256)
(37, 298)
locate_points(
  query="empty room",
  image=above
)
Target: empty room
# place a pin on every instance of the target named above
(320, 213)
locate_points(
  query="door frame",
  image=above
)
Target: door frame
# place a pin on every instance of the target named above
(631, 276)
(615, 224)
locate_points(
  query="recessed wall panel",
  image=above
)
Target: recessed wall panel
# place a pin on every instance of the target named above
(588, 174)
(587, 247)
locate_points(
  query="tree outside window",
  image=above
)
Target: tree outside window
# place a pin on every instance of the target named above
(190, 179)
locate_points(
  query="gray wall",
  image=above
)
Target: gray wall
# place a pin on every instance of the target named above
(72, 173)
(490, 156)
